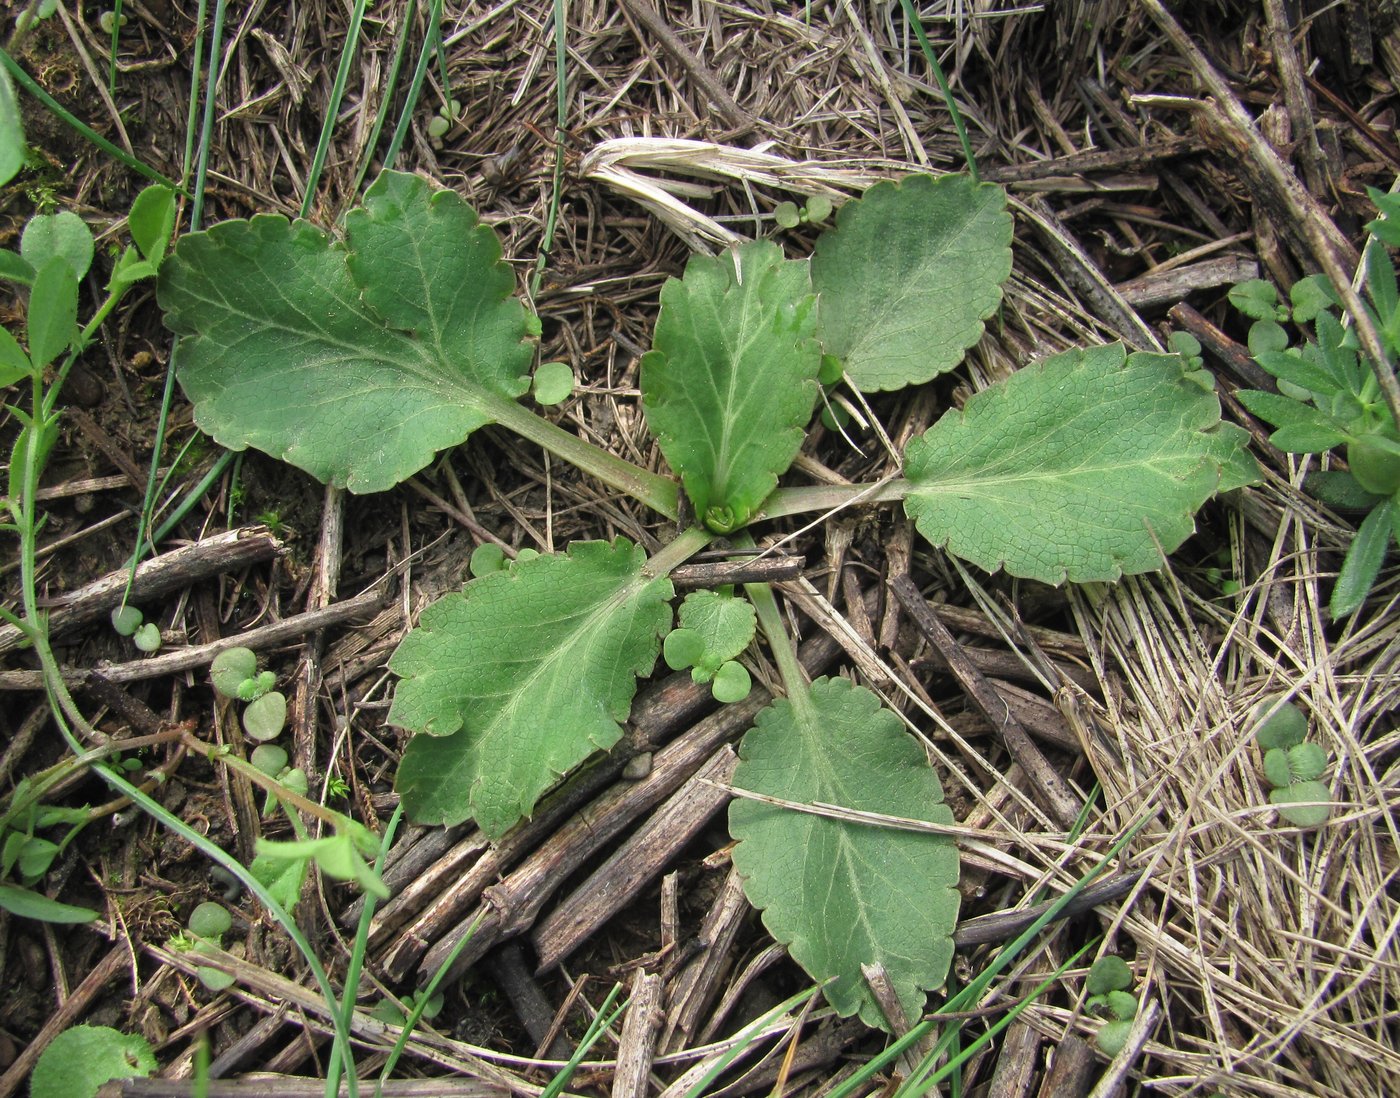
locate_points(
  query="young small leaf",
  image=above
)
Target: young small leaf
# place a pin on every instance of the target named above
(210, 920)
(231, 668)
(1278, 723)
(1276, 768)
(126, 620)
(11, 131)
(844, 894)
(1298, 803)
(214, 979)
(1256, 298)
(1112, 1036)
(1313, 294)
(147, 638)
(14, 268)
(818, 208)
(683, 648)
(731, 682)
(1306, 762)
(1085, 466)
(53, 312)
(1293, 367)
(269, 758)
(731, 382)
(14, 363)
(1363, 560)
(724, 625)
(152, 221)
(786, 215)
(380, 354)
(28, 904)
(519, 677)
(1266, 336)
(1302, 429)
(553, 383)
(265, 718)
(79, 1060)
(908, 275)
(64, 236)
(282, 877)
(1108, 973)
(1376, 468)
(486, 558)
(1339, 490)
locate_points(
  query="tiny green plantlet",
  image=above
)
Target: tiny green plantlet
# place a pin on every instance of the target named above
(404, 336)
(208, 923)
(1293, 766)
(1329, 396)
(234, 673)
(1108, 997)
(80, 1060)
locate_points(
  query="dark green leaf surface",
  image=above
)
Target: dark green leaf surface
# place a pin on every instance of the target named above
(81, 1059)
(359, 365)
(1085, 466)
(35, 905)
(844, 894)
(53, 312)
(731, 382)
(520, 677)
(1364, 559)
(908, 275)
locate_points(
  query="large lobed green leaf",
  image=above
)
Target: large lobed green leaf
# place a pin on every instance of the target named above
(731, 381)
(908, 275)
(1086, 466)
(521, 676)
(843, 894)
(359, 361)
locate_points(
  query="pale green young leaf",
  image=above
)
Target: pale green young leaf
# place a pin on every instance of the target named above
(53, 312)
(28, 904)
(79, 1060)
(152, 221)
(14, 363)
(731, 382)
(15, 268)
(1363, 561)
(63, 235)
(521, 676)
(725, 625)
(843, 894)
(282, 877)
(355, 364)
(11, 131)
(1085, 466)
(908, 275)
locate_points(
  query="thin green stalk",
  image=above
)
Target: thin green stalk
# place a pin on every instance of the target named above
(415, 87)
(690, 542)
(24, 80)
(421, 1003)
(342, 77)
(561, 116)
(932, 58)
(381, 115)
(745, 1037)
(831, 497)
(602, 1022)
(112, 46)
(353, 970)
(770, 620)
(657, 492)
(196, 69)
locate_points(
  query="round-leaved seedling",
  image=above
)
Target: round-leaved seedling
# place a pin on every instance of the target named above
(231, 669)
(147, 638)
(126, 620)
(265, 718)
(1278, 723)
(731, 682)
(554, 381)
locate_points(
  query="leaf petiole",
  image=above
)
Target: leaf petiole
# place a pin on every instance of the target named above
(657, 492)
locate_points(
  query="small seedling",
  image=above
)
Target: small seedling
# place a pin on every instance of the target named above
(789, 215)
(486, 558)
(234, 673)
(1107, 987)
(388, 1011)
(147, 638)
(553, 383)
(208, 923)
(1329, 396)
(1292, 766)
(126, 620)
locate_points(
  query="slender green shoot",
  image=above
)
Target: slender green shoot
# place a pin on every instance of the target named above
(355, 967)
(342, 77)
(602, 1022)
(392, 83)
(421, 1003)
(912, 15)
(415, 86)
(59, 111)
(746, 1037)
(196, 70)
(115, 31)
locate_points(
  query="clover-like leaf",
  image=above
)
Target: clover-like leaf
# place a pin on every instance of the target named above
(359, 361)
(908, 275)
(722, 624)
(79, 1060)
(731, 381)
(521, 676)
(63, 235)
(843, 894)
(1086, 466)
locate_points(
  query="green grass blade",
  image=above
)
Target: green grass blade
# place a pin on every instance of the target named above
(395, 69)
(561, 114)
(415, 87)
(342, 77)
(912, 15)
